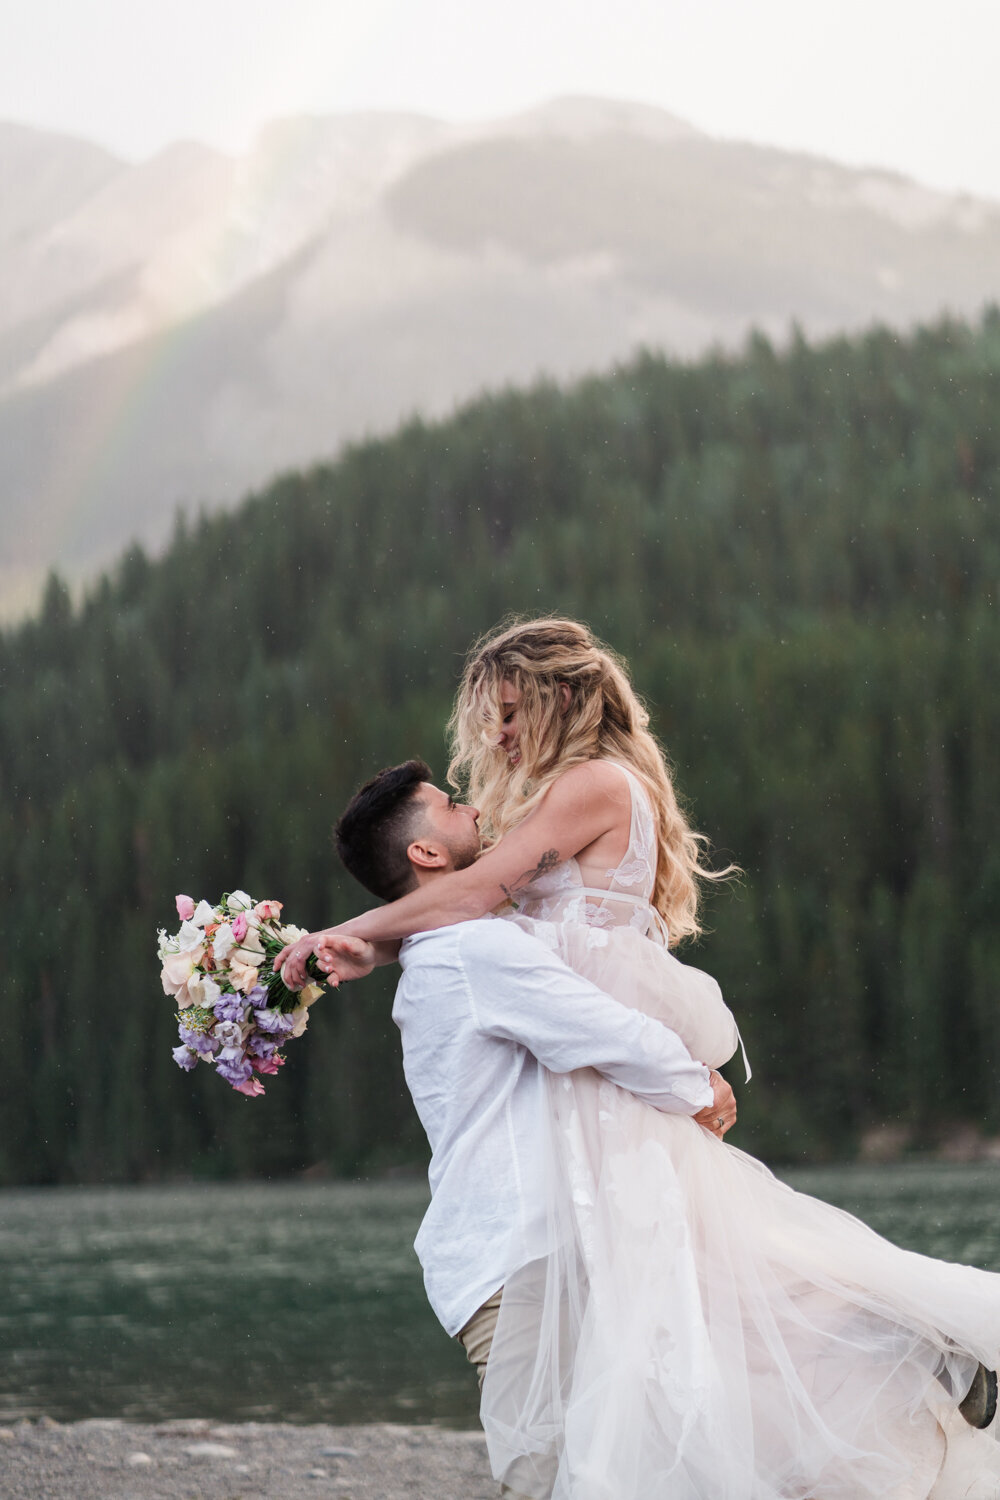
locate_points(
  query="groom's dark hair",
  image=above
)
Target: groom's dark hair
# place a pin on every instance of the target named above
(377, 826)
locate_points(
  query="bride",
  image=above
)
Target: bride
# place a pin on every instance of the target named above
(698, 1331)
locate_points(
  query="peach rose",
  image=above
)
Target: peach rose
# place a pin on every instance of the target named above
(177, 970)
(242, 976)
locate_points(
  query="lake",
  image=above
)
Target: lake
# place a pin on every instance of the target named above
(303, 1302)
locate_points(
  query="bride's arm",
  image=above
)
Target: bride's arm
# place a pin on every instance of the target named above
(585, 802)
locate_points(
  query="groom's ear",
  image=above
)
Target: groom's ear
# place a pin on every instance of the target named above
(426, 855)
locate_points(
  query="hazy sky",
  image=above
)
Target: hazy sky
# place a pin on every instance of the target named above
(909, 84)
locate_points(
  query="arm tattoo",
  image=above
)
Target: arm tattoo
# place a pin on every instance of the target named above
(548, 862)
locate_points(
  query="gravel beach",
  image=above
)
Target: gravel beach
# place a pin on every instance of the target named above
(194, 1460)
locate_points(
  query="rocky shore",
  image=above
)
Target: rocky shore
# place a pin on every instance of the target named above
(196, 1460)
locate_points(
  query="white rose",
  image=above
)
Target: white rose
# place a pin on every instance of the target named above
(203, 990)
(239, 901)
(290, 934)
(224, 943)
(190, 936)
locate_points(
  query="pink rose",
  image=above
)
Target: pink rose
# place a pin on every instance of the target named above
(268, 911)
(185, 907)
(251, 1088)
(240, 926)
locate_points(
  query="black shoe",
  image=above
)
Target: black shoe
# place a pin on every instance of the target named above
(980, 1404)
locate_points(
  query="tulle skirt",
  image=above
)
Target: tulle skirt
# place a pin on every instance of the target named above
(699, 1331)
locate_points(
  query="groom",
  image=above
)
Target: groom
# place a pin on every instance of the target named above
(483, 1009)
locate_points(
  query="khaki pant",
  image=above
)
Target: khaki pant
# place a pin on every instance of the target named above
(476, 1338)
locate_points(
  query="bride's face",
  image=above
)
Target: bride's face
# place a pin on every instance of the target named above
(510, 697)
(509, 739)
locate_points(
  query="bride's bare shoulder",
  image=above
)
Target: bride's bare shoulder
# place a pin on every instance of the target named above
(591, 780)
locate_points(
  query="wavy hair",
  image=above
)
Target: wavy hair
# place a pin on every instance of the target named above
(604, 720)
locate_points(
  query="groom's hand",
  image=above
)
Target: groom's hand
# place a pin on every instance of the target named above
(720, 1115)
(342, 957)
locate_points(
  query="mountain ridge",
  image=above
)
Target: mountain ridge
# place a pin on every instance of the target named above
(245, 315)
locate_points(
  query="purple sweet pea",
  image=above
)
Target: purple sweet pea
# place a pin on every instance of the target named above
(234, 1072)
(230, 1008)
(230, 1035)
(274, 1021)
(259, 1046)
(198, 1041)
(185, 1058)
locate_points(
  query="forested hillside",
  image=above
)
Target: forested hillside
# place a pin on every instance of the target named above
(800, 554)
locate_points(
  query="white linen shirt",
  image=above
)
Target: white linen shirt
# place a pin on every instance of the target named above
(482, 1007)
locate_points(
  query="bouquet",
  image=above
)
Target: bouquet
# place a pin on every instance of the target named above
(235, 1011)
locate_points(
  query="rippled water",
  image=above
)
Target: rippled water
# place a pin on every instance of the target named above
(305, 1303)
(235, 1302)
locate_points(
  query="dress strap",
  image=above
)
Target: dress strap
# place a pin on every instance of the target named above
(746, 1061)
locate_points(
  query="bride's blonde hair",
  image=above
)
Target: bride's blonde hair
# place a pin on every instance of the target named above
(604, 720)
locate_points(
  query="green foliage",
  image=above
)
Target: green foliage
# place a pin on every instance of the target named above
(799, 552)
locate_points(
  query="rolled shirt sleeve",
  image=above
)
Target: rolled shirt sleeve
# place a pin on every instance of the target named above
(522, 992)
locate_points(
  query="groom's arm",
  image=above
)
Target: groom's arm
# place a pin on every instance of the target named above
(522, 992)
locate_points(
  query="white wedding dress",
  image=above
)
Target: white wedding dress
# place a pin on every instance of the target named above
(699, 1331)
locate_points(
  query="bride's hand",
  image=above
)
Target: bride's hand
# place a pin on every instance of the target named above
(720, 1115)
(291, 962)
(342, 957)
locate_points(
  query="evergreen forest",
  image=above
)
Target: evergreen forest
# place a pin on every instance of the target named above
(798, 550)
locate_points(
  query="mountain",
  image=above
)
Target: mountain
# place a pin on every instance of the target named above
(45, 178)
(175, 331)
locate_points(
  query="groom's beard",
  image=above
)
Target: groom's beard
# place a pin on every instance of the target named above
(461, 859)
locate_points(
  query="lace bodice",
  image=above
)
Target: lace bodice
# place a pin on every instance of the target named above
(562, 896)
(595, 930)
